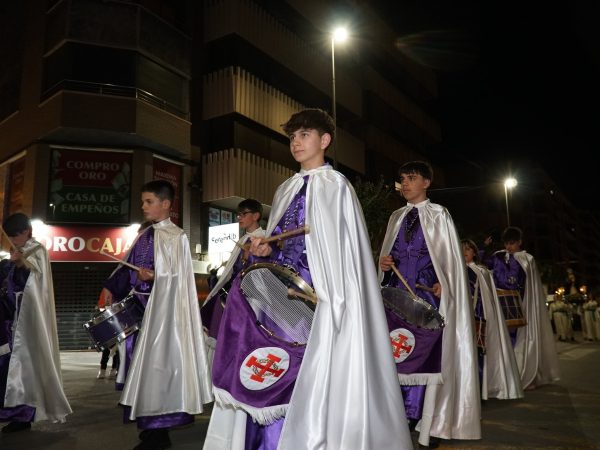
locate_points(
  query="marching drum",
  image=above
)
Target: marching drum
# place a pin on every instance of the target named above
(510, 302)
(115, 323)
(412, 309)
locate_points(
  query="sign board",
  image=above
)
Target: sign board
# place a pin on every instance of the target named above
(222, 238)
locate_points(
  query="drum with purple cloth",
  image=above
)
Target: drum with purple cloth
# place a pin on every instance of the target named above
(510, 303)
(115, 323)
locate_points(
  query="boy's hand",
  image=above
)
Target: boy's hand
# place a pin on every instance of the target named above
(437, 290)
(107, 296)
(260, 248)
(16, 256)
(145, 274)
(386, 263)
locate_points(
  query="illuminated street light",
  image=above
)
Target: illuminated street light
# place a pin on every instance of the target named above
(340, 34)
(509, 183)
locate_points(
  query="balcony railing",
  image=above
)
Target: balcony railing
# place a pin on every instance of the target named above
(116, 91)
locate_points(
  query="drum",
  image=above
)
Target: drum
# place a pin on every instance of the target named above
(412, 309)
(280, 297)
(510, 302)
(115, 323)
(480, 333)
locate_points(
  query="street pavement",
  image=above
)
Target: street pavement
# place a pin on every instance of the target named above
(565, 415)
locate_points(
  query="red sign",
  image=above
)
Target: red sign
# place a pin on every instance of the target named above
(83, 244)
(173, 173)
(89, 186)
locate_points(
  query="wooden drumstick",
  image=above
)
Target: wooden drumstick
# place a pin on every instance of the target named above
(425, 288)
(279, 237)
(8, 239)
(295, 293)
(125, 263)
(399, 275)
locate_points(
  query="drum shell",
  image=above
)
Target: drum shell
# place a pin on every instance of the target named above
(116, 323)
(512, 309)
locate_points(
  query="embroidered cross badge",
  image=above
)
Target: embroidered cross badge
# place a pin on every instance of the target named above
(264, 367)
(403, 344)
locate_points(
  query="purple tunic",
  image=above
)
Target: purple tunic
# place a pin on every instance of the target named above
(292, 253)
(120, 284)
(14, 282)
(508, 274)
(411, 256)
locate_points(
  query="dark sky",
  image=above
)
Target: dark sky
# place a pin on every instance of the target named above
(518, 80)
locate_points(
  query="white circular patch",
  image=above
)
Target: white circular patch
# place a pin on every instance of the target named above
(403, 344)
(263, 367)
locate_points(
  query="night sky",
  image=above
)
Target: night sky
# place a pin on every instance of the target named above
(518, 80)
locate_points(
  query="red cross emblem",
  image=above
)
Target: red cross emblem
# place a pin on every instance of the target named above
(403, 344)
(263, 367)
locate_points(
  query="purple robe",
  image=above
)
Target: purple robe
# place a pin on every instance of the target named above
(14, 282)
(292, 253)
(508, 274)
(411, 257)
(479, 315)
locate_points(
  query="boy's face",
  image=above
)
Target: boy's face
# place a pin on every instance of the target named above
(308, 148)
(512, 246)
(413, 187)
(20, 239)
(154, 208)
(468, 253)
(248, 219)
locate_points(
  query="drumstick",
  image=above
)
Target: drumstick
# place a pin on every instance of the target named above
(425, 288)
(295, 293)
(8, 239)
(125, 263)
(279, 237)
(399, 275)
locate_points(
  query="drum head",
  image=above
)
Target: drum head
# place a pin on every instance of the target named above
(414, 310)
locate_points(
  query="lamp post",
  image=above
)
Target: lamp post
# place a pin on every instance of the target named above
(509, 183)
(340, 34)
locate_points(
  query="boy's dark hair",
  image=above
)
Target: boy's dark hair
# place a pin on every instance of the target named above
(422, 168)
(16, 224)
(512, 234)
(311, 118)
(250, 205)
(473, 246)
(161, 188)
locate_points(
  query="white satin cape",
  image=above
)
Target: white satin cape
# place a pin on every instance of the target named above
(211, 342)
(227, 271)
(452, 409)
(501, 377)
(535, 349)
(347, 394)
(169, 369)
(34, 374)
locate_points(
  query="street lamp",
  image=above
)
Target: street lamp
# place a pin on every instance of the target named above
(509, 183)
(340, 34)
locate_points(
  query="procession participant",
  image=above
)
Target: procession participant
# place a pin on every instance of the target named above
(340, 391)
(31, 387)
(249, 214)
(499, 374)
(561, 315)
(440, 388)
(515, 269)
(165, 364)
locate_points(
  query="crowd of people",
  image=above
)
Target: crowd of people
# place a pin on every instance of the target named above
(353, 366)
